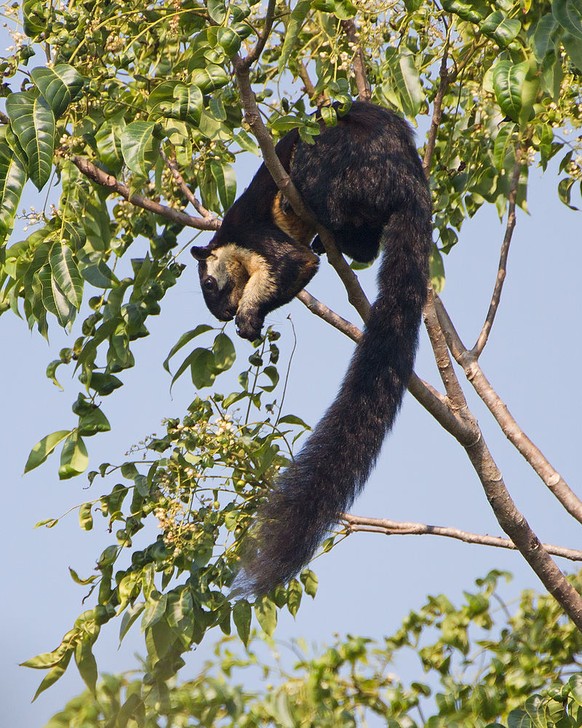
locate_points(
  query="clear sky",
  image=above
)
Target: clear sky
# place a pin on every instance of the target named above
(369, 582)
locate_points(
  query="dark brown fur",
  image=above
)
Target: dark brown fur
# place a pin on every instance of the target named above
(364, 182)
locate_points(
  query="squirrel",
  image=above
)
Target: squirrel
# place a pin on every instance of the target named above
(364, 182)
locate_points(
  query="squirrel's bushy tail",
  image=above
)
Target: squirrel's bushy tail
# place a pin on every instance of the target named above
(331, 469)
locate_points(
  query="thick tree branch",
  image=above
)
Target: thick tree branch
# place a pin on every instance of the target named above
(443, 360)
(400, 528)
(509, 426)
(112, 183)
(519, 531)
(502, 268)
(359, 62)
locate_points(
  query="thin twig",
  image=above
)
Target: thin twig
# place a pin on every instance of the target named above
(437, 113)
(400, 528)
(502, 267)
(186, 191)
(112, 183)
(318, 99)
(359, 62)
(249, 59)
(509, 426)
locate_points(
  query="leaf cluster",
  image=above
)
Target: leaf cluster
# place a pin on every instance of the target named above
(178, 511)
(481, 666)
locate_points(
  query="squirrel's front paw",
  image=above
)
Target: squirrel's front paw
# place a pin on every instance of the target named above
(249, 325)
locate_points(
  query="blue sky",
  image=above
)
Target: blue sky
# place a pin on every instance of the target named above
(369, 582)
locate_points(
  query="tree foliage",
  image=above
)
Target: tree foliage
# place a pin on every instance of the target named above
(477, 664)
(129, 114)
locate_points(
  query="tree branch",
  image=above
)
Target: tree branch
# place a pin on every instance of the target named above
(331, 317)
(519, 531)
(186, 191)
(442, 357)
(283, 181)
(502, 268)
(108, 180)
(400, 528)
(359, 62)
(430, 398)
(437, 113)
(248, 60)
(509, 426)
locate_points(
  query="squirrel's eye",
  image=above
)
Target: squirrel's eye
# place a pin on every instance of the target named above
(209, 284)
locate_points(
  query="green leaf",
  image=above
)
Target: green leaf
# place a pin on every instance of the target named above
(543, 39)
(74, 457)
(437, 269)
(53, 675)
(66, 274)
(573, 48)
(569, 14)
(93, 421)
(202, 368)
(272, 374)
(108, 140)
(53, 298)
(404, 82)
(188, 103)
(294, 594)
(59, 85)
(217, 10)
(242, 617)
(183, 340)
(86, 516)
(309, 581)
(501, 28)
(465, 10)
(33, 123)
(130, 615)
(266, 615)
(97, 274)
(35, 20)
(502, 142)
(86, 663)
(294, 25)
(293, 420)
(224, 352)
(137, 146)
(44, 448)
(82, 582)
(565, 191)
(210, 78)
(103, 383)
(514, 90)
(225, 179)
(12, 179)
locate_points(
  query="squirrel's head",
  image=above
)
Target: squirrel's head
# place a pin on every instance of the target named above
(224, 274)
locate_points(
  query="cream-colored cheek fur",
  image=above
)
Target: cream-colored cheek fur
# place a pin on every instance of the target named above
(253, 282)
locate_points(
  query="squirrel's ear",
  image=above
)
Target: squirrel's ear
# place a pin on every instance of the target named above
(200, 253)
